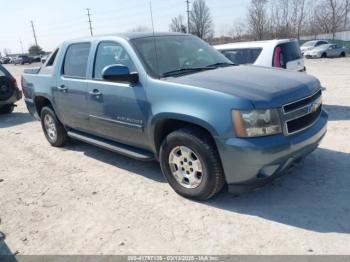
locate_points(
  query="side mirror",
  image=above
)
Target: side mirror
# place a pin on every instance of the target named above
(120, 73)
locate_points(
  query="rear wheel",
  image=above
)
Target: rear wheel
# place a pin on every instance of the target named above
(53, 129)
(342, 54)
(8, 109)
(191, 163)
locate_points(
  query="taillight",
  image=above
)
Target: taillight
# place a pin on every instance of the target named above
(277, 57)
(14, 82)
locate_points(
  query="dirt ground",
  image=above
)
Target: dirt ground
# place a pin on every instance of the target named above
(84, 200)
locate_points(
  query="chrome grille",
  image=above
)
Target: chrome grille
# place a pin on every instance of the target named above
(301, 114)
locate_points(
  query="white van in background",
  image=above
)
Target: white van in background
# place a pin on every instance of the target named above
(283, 53)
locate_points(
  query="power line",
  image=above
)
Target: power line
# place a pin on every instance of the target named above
(188, 16)
(89, 16)
(34, 33)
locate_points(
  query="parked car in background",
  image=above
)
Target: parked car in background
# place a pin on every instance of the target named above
(9, 91)
(36, 58)
(309, 45)
(207, 120)
(273, 53)
(5, 60)
(328, 50)
(22, 59)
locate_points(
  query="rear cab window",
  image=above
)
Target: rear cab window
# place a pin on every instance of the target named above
(285, 53)
(52, 58)
(243, 56)
(47, 69)
(76, 60)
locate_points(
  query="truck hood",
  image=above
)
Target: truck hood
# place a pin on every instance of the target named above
(263, 87)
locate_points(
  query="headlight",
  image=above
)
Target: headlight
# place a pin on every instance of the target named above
(254, 123)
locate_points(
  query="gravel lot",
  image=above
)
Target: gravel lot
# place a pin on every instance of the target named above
(84, 200)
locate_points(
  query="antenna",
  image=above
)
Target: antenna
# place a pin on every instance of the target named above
(188, 16)
(154, 37)
(89, 17)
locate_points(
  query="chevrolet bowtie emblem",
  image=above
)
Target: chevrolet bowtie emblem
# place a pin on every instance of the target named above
(314, 106)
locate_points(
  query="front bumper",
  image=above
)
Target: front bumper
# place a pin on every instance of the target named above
(251, 163)
(310, 55)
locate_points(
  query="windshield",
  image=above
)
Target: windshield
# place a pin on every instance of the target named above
(176, 54)
(311, 43)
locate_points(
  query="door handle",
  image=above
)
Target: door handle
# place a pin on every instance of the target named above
(62, 88)
(95, 92)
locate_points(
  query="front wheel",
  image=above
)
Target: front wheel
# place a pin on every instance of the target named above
(324, 55)
(54, 131)
(191, 164)
(342, 54)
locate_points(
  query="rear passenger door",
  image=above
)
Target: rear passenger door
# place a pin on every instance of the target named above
(70, 93)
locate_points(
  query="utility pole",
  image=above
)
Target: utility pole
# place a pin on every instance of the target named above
(89, 16)
(21, 43)
(188, 15)
(34, 34)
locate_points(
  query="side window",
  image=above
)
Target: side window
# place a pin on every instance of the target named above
(243, 56)
(76, 60)
(52, 58)
(111, 53)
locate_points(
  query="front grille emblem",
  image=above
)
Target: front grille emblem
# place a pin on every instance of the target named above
(314, 106)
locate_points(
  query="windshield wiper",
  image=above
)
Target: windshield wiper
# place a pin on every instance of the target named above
(222, 64)
(187, 70)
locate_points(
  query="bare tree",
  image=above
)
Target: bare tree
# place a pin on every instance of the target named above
(299, 14)
(258, 18)
(332, 15)
(201, 22)
(237, 30)
(346, 15)
(178, 25)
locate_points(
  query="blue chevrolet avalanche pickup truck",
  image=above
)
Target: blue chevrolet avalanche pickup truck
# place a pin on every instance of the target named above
(173, 98)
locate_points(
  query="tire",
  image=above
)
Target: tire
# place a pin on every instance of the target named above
(324, 55)
(342, 54)
(211, 178)
(8, 109)
(57, 136)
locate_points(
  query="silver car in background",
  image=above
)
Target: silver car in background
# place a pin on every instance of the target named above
(309, 45)
(328, 50)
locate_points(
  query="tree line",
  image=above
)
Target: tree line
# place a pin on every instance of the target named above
(266, 19)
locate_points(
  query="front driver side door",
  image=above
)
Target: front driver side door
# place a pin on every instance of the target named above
(118, 111)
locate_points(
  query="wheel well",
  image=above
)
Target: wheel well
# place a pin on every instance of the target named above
(41, 102)
(165, 127)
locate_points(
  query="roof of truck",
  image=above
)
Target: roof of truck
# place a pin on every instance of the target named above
(128, 36)
(255, 44)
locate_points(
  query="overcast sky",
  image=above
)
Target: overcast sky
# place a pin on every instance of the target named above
(56, 21)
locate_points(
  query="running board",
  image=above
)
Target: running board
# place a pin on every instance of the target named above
(125, 150)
